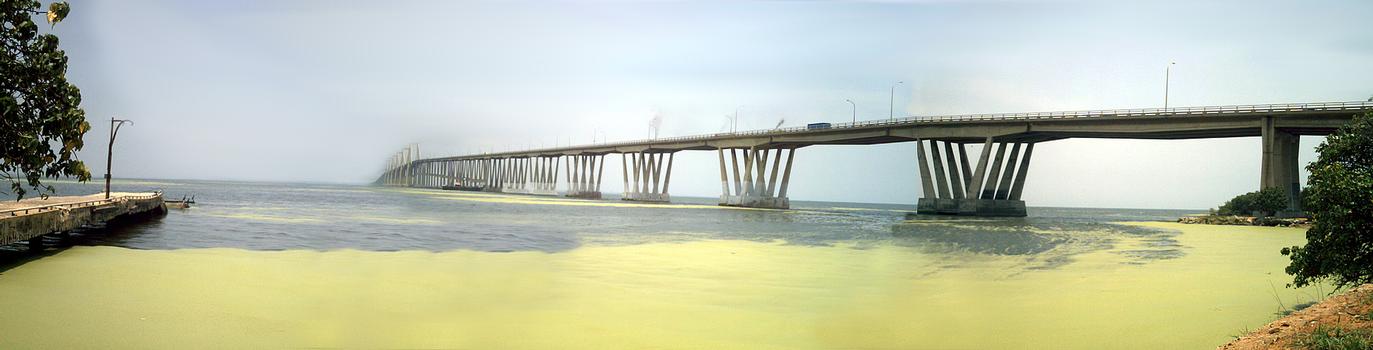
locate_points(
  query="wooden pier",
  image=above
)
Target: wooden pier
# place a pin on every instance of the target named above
(30, 219)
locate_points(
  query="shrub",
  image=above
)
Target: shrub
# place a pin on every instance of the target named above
(1339, 244)
(1267, 201)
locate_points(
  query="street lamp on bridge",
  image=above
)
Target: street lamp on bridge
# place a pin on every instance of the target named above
(1167, 74)
(734, 122)
(115, 124)
(891, 103)
(855, 111)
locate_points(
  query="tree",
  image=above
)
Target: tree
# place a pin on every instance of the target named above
(42, 120)
(1339, 197)
(1267, 201)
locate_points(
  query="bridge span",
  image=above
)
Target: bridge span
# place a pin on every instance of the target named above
(988, 183)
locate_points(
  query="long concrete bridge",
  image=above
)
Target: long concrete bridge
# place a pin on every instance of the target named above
(987, 183)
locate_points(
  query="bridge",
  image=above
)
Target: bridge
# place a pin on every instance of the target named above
(988, 182)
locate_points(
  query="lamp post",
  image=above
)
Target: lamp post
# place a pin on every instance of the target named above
(734, 122)
(115, 124)
(891, 103)
(1167, 75)
(855, 111)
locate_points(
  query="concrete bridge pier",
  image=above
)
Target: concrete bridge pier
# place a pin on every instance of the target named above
(471, 176)
(437, 177)
(584, 172)
(395, 170)
(513, 176)
(645, 178)
(424, 174)
(758, 187)
(543, 176)
(952, 187)
(450, 175)
(476, 175)
(1279, 167)
(491, 175)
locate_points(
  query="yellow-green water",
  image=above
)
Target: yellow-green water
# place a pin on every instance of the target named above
(692, 295)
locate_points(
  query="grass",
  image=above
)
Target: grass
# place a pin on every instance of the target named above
(1297, 307)
(1335, 338)
(1326, 337)
(1243, 332)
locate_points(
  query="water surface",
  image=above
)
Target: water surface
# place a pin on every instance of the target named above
(283, 265)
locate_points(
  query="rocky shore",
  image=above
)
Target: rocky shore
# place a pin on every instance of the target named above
(1339, 319)
(1245, 221)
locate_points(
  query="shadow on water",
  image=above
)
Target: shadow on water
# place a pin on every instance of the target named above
(18, 254)
(1048, 241)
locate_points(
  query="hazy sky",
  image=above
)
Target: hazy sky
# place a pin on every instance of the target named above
(325, 91)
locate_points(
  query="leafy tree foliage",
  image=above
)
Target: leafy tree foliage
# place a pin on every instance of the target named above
(42, 118)
(1267, 201)
(1339, 245)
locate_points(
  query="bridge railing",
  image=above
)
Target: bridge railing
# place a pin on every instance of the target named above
(1136, 112)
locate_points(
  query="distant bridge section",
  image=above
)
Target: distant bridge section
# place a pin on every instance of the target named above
(988, 183)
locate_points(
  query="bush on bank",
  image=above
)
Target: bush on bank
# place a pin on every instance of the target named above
(1267, 202)
(1339, 198)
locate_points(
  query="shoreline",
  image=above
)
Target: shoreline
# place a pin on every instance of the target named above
(1350, 310)
(1241, 220)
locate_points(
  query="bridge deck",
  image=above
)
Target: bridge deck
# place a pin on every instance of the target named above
(1147, 123)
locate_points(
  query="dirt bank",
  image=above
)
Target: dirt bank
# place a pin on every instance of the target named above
(1349, 310)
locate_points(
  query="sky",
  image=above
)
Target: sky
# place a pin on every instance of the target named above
(326, 91)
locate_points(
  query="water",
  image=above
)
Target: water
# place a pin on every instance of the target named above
(292, 265)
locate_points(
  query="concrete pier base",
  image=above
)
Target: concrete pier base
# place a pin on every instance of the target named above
(647, 197)
(937, 206)
(755, 202)
(971, 207)
(992, 207)
(584, 195)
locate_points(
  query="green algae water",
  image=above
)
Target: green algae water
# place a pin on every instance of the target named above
(311, 266)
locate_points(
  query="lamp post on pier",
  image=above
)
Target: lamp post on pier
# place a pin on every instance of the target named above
(115, 124)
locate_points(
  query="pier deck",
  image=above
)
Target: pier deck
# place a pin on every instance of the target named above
(30, 219)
